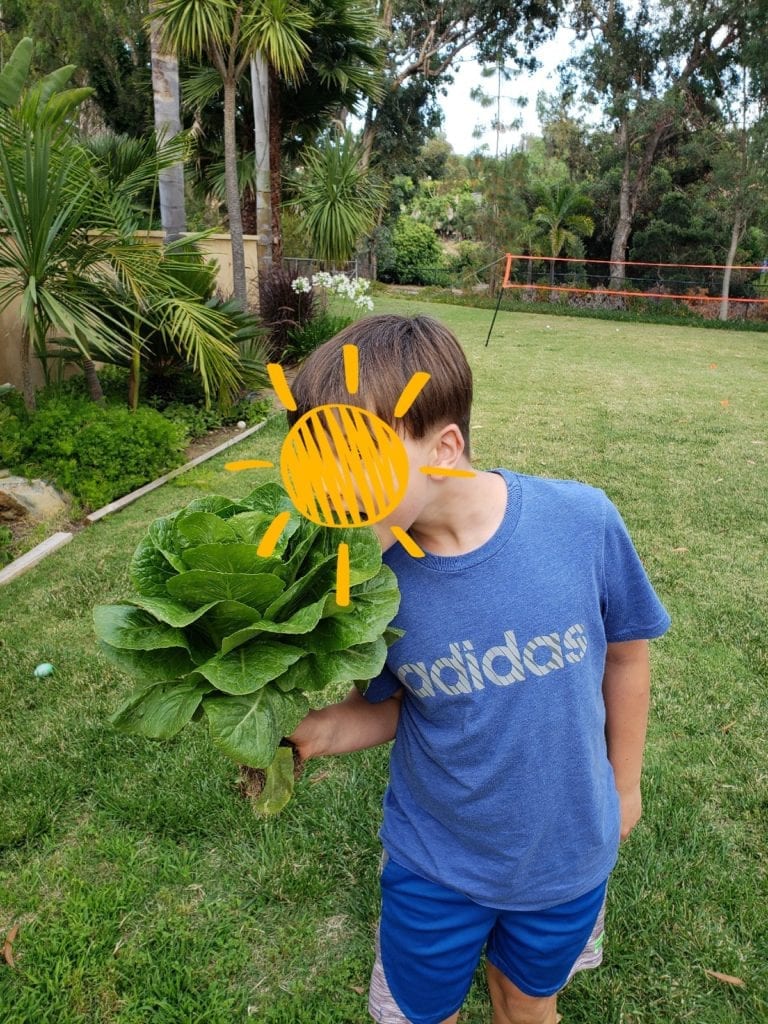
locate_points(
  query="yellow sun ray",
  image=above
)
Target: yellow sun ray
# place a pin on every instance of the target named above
(408, 543)
(239, 464)
(342, 575)
(351, 368)
(440, 471)
(410, 393)
(268, 542)
(281, 385)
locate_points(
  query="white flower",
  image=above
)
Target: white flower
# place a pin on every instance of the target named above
(301, 285)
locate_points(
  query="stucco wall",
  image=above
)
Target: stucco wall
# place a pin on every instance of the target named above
(217, 246)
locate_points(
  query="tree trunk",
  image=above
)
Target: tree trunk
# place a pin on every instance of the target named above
(261, 122)
(27, 387)
(95, 392)
(736, 232)
(275, 168)
(633, 182)
(233, 193)
(165, 92)
(623, 229)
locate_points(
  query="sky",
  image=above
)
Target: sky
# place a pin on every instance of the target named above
(461, 113)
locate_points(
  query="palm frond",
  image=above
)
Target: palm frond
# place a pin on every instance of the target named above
(192, 27)
(274, 28)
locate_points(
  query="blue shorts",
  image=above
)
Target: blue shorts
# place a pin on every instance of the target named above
(431, 939)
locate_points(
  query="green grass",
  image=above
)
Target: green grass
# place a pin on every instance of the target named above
(144, 889)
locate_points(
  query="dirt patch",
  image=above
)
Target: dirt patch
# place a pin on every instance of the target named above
(211, 440)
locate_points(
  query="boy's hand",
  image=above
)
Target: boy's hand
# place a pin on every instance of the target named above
(353, 724)
(631, 810)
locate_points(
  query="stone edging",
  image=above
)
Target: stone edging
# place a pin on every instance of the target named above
(58, 540)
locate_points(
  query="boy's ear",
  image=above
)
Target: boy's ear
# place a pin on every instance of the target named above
(448, 446)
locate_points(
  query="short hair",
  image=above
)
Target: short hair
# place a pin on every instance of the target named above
(391, 349)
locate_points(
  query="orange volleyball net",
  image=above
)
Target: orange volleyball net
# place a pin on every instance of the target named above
(589, 283)
(689, 282)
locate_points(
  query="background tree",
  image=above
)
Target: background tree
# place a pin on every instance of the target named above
(650, 68)
(563, 212)
(166, 95)
(338, 196)
(229, 35)
(424, 41)
(106, 41)
(70, 253)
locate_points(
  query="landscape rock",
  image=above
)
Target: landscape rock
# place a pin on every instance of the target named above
(28, 499)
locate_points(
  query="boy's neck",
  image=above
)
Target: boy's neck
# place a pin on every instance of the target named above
(463, 515)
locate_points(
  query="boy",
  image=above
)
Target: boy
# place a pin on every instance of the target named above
(517, 697)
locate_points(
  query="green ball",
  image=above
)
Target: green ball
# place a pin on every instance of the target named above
(45, 669)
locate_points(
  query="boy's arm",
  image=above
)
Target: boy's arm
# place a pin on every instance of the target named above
(626, 692)
(353, 724)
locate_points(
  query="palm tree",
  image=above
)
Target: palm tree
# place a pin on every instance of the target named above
(229, 34)
(338, 196)
(167, 104)
(562, 211)
(69, 251)
(343, 67)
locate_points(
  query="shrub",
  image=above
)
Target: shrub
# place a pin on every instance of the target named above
(418, 256)
(471, 262)
(97, 453)
(282, 308)
(197, 421)
(306, 339)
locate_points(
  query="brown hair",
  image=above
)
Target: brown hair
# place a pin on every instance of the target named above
(391, 349)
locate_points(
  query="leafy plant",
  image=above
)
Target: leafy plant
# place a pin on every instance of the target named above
(303, 340)
(94, 452)
(6, 540)
(418, 256)
(282, 307)
(217, 630)
(338, 195)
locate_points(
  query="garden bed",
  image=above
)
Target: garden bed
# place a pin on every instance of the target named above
(35, 541)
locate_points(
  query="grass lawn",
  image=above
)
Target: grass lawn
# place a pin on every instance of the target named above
(144, 890)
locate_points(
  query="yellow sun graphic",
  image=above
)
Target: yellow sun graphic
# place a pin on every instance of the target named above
(342, 466)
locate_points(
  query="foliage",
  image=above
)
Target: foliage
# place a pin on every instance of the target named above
(424, 44)
(217, 628)
(106, 42)
(6, 540)
(95, 453)
(471, 262)
(230, 37)
(282, 309)
(338, 196)
(343, 69)
(197, 421)
(418, 256)
(448, 209)
(189, 326)
(71, 255)
(563, 211)
(303, 340)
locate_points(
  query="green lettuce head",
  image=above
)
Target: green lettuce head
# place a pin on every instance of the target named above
(215, 630)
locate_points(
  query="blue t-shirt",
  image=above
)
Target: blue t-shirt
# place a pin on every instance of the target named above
(500, 786)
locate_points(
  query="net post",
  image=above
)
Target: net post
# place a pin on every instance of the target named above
(507, 269)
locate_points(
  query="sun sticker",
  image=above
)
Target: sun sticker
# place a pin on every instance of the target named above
(342, 466)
